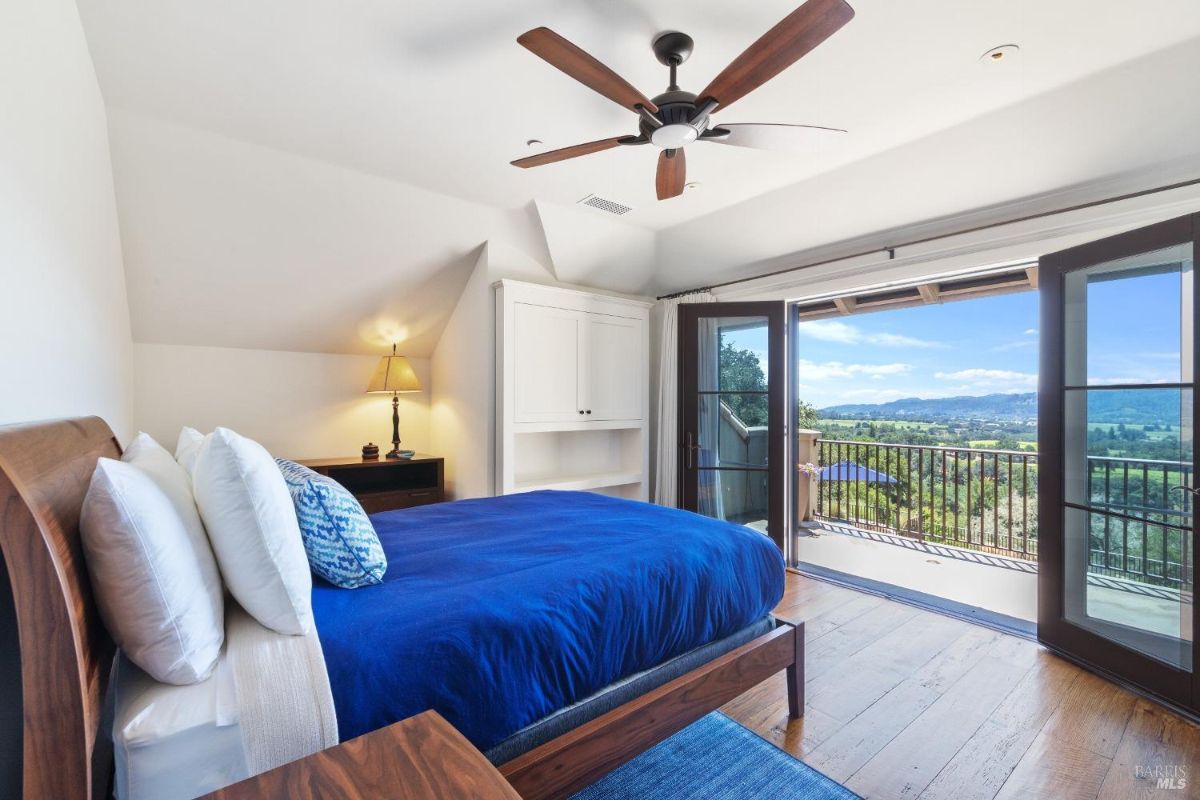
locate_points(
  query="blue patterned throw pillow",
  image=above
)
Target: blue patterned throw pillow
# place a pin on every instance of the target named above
(341, 543)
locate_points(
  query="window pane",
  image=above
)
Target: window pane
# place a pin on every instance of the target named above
(1131, 582)
(733, 354)
(734, 495)
(1130, 321)
(733, 430)
(1127, 449)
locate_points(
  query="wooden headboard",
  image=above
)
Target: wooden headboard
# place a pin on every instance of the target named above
(66, 653)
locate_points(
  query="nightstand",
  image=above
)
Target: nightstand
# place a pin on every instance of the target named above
(420, 758)
(382, 484)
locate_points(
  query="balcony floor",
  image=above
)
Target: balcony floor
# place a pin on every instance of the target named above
(907, 703)
(994, 583)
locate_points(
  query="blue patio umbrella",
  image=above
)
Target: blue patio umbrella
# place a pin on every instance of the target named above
(849, 472)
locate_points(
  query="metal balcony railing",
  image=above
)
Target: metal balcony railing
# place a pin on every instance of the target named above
(979, 499)
(1138, 527)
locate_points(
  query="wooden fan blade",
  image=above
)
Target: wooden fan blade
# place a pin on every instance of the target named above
(560, 53)
(783, 138)
(567, 152)
(795, 36)
(672, 174)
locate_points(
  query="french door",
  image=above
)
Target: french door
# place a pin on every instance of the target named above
(732, 432)
(1117, 506)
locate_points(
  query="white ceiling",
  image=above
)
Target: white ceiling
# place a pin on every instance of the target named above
(438, 94)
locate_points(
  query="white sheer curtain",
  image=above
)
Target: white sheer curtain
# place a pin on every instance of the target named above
(666, 475)
(709, 498)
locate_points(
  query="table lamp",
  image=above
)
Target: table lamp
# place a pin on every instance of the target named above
(394, 374)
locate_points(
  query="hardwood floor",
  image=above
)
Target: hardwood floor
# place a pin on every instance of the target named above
(906, 703)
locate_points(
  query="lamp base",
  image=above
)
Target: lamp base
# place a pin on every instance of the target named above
(395, 451)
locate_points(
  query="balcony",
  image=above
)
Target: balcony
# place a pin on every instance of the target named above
(961, 524)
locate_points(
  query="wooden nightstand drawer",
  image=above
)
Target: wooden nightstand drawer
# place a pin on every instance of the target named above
(382, 484)
(386, 501)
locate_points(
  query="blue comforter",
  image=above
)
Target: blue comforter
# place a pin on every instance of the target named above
(499, 611)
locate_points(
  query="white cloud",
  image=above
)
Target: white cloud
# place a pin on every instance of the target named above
(844, 333)
(991, 380)
(812, 371)
(1000, 348)
(1031, 331)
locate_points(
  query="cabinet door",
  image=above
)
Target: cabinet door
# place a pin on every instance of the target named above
(546, 355)
(614, 367)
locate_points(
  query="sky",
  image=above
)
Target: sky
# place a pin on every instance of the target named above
(972, 347)
(983, 346)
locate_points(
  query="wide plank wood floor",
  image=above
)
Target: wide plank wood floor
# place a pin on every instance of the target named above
(906, 703)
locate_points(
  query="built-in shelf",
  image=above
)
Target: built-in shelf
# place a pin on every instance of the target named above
(597, 480)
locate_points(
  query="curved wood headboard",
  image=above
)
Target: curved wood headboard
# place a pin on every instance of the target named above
(66, 653)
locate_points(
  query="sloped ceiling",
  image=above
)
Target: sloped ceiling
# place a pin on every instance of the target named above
(291, 179)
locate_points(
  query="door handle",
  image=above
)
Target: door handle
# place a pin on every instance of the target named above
(689, 450)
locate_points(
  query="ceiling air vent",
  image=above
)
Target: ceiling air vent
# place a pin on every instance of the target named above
(610, 206)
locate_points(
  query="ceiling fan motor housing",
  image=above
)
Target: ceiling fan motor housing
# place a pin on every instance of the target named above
(676, 110)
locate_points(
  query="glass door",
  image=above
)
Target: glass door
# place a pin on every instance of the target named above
(1118, 462)
(731, 395)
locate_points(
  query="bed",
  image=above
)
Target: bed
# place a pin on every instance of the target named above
(564, 634)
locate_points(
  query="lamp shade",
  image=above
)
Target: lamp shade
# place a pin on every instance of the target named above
(394, 374)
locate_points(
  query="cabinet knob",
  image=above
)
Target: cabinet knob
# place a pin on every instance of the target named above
(581, 411)
(589, 411)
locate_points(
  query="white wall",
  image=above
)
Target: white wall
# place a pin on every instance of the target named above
(65, 345)
(463, 413)
(298, 405)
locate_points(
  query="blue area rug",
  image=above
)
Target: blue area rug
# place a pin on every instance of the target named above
(715, 759)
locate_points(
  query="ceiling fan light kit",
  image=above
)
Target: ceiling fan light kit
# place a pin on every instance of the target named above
(676, 118)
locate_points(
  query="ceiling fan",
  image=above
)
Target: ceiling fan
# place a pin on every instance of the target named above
(675, 118)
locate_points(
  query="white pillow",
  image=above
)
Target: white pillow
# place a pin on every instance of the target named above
(187, 447)
(152, 458)
(146, 569)
(252, 525)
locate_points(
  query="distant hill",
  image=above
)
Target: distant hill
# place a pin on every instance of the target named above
(1132, 406)
(1000, 407)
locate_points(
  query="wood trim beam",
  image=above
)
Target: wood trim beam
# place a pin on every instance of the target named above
(845, 305)
(929, 293)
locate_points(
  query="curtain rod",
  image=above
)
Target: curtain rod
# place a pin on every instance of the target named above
(891, 251)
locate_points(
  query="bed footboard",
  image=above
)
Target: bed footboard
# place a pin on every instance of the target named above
(582, 756)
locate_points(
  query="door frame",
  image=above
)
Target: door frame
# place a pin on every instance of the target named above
(1054, 630)
(777, 418)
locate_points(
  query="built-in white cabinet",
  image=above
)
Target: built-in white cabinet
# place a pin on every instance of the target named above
(613, 375)
(548, 364)
(572, 388)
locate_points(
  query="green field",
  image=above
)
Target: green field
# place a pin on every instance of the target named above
(976, 434)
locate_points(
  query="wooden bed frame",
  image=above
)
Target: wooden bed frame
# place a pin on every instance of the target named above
(66, 653)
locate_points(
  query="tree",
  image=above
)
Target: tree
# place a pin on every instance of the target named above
(741, 371)
(806, 415)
